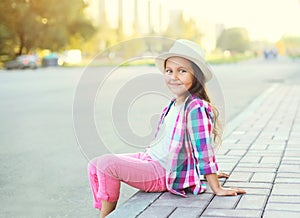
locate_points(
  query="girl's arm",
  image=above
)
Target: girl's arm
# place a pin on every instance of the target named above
(215, 186)
(199, 125)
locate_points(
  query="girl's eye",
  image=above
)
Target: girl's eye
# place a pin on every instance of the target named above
(168, 71)
(182, 71)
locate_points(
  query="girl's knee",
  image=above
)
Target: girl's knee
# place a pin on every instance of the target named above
(102, 162)
(106, 160)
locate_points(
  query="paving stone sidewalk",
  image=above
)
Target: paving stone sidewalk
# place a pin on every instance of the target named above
(261, 154)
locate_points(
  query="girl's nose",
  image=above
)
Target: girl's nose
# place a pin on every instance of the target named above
(174, 76)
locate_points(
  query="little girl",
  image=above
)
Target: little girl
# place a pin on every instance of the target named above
(185, 149)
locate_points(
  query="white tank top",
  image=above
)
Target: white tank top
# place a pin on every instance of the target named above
(159, 150)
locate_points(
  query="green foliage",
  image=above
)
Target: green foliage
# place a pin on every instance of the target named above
(43, 24)
(291, 45)
(291, 40)
(234, 39)
(182, 28)
(6, 41)
(222, 59)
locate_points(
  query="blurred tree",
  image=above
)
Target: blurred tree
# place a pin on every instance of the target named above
(6, 42)
(290, 45)
(44, 24)
(234, 39)
(179, 27)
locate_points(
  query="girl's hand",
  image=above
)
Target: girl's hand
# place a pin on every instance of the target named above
(229, 191)
(214, 184)
(222, 175)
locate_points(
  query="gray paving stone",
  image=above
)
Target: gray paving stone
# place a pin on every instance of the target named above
(236, 152)
(281, 137)
(261, 169)
(284, 199)
(293, 142)
(228, 141)
(280, 214)
(270, 141)
(294, 133)
(269, 159)
(291, 160)
(228, 159)
(222, 151)
(258, 165)
(294, 138)
(288, 175)
(251, 159)
(265, 153)
(240, 176)
(283, 206)
(286, 189)
(227, 167)
(195, 201)
(224, 202)
(232, 213)
(289, 168)
(134, 205)
(275, 147)
(267, 133)
(236, 147)
(245, 142)
(258, 191)
(183, 212)
(263, 177)
(292, 153)
(259, 146)
(245, 185)
(275, 143)
(287, 180)
(252, 202)
(156, 212)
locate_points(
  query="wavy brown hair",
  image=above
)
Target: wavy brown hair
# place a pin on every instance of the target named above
(198, 88)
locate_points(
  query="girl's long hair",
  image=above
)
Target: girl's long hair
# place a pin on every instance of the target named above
(198, 88)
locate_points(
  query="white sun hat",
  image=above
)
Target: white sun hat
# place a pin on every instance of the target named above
(188, 50)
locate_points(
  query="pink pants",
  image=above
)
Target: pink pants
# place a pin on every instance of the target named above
(137, 170)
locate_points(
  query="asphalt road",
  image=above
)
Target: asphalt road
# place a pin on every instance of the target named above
(43, 158)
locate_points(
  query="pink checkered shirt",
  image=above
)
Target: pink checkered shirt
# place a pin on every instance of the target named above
(191, 150)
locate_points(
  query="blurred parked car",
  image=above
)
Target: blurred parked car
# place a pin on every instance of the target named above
(50, 60)
(23, 62)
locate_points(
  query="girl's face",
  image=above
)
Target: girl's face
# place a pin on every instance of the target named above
(179, 75)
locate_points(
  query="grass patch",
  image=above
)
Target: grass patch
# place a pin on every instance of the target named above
(295, 57)
(140, 62)
(221, 59)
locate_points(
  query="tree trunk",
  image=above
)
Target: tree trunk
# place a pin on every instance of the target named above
(22, 44)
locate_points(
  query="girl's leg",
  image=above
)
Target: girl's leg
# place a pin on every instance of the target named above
(137, 170)
(107, 208)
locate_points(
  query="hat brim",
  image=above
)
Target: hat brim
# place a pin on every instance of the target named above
(204, 67)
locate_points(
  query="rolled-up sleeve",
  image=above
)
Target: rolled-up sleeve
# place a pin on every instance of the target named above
(199, 127)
